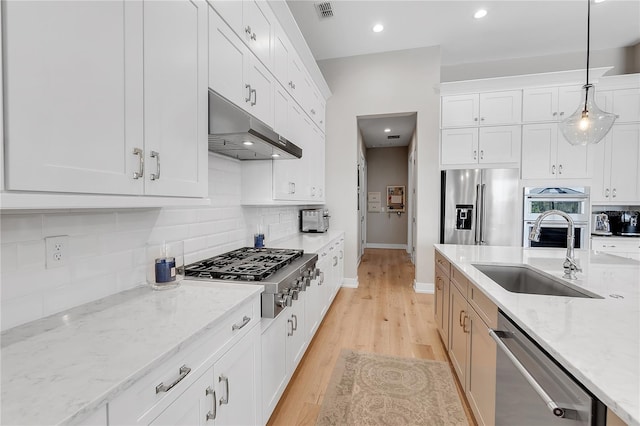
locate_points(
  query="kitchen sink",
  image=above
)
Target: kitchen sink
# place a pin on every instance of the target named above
(524, 279)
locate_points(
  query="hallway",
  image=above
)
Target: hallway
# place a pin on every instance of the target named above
(383, 315)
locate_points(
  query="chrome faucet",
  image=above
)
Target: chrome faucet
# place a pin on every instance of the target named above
(570, 265)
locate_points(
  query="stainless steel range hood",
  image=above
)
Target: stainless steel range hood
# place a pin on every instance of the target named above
(235, 133)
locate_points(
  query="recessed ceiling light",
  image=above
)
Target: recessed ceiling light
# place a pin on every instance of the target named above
(387, 130)
(275, 155)
(378, 28)
(247, 143)
(480, 14)
(598, 1)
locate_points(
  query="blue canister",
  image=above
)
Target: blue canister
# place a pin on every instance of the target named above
(258, 240)
(165, 269)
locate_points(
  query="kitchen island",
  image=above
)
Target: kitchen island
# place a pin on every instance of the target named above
(64, 368)
(596, 340)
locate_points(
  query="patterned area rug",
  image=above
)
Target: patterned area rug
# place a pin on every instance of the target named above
(371, 389)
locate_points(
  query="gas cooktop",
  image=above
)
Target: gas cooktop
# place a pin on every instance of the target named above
(244, 264)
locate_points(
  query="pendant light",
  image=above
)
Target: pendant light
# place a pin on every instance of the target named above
(589, 124)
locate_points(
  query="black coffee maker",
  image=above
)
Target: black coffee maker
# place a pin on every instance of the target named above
(624, 223)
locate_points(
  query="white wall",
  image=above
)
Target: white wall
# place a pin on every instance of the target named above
(391, 82)
(620, 59)
(107, 247)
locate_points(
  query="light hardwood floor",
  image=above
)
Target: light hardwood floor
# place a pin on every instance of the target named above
(383, 315)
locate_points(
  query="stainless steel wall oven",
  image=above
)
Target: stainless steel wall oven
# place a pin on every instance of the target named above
(574, 201)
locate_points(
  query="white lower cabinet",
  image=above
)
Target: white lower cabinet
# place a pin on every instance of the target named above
(215, 380)
(628, 247)
(471, 349)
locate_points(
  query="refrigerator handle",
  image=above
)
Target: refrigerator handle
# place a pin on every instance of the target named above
(476, 231)
(482, 214)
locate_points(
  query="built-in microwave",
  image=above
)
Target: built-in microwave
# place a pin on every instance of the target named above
(573, 201)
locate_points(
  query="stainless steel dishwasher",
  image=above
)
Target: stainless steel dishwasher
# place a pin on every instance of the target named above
(532, 390)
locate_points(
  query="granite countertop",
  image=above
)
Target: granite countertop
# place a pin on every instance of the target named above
(309, 242)
(596, 340)
(58, 369)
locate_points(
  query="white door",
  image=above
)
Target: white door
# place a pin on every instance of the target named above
(540, 104)
(236, 380)
(539, 151)
(573, 160)
(257, 30)
(626, 103)
(228, 61)
(500, 144)
(601, 180)
(260, 81)
(274, 359)
(460, 110)
(459, 146)
(73, 96)
(568, 100)
(500, 108)
(281, 111)
(625, 157)
(296, 332)
(175, 97)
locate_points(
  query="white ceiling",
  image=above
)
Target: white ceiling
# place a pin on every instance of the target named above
(374, 136)
(511, 29)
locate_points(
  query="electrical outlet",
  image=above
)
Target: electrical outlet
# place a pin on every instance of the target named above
(57, 251)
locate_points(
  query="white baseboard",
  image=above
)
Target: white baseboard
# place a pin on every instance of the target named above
(427, 288)
(387, 246)
(350, 282)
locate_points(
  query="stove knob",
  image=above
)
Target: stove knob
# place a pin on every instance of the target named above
(294, 293)
(288, 299)
(317, 272)
(307, 281)
(307, 273)
(300, 284)
(281, 301)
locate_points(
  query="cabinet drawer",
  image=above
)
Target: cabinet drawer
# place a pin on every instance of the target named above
(443, 264)
(459, 280)
(141, 403)
(485, 308)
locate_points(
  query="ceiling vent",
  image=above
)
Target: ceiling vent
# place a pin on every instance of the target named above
(393, 137)
(324, 9)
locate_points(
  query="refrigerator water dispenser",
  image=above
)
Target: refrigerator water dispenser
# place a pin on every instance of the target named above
(464, 215)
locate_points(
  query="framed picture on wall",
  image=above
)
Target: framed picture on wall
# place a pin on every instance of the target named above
(395, 198)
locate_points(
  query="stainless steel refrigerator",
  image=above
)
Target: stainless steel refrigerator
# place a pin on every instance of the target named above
(481, 206)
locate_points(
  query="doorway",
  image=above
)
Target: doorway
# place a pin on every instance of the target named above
(386, 188)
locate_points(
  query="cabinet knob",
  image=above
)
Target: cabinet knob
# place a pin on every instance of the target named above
(560, 169)
(553, 169)
(481, 118)
(555, 114)
(613, 193)
(606, 192)
(475, 154)
(475, 118)
(482, 154)
(248, 30)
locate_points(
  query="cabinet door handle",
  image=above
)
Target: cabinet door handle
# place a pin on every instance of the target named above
(248, 99)
(561, 113)
(140, 172)
(481, 118)
(248, 30)
(294, 187)
(335, 260)
(225, 379)
(321, 278)
(482, 154)
(606, 192)
(184, 370)
(295, 319)
(255, 96)
(553, 169)
(462, 313)
(245, 321)
(613, 193)
(290, 333)
(555, 114)
(341, 254)
(560, 169)
(211, 415)
(464, 324)
(156, 155)
(475, 154)
(475, 118)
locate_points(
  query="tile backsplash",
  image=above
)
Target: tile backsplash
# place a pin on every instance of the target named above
(106, 252)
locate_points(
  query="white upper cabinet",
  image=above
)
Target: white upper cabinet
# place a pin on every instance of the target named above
(228, 59)
(73, 96)
(549, 103)
(486, 145)
(616, 177)
(546, 154)
(484, 109)
(260, 85)
(626, 104)
(101, 105)
(257, 29)
(175, 97)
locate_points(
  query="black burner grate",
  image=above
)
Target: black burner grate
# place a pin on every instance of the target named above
(245, 264)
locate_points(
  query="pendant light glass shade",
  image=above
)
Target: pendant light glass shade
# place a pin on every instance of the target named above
(589, 124)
